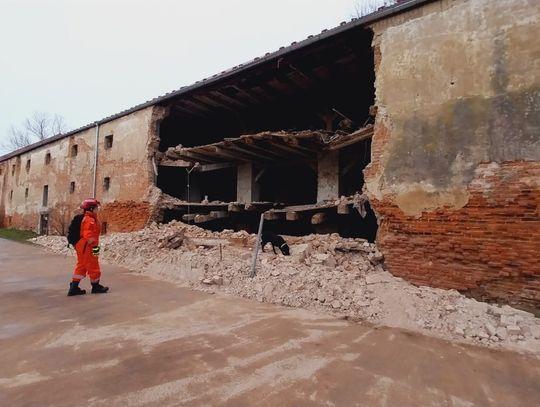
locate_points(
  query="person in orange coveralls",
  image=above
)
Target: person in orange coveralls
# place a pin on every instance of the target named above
(87, 249)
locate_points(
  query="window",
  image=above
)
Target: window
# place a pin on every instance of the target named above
(106, 183)
(45, 195)
(1, 170)
(72, 187)
(13, 169)
(103, 228)
(11, 195)
(28, 165)
(48, 158)
(74, 150)
(26, 193)
(108, 141)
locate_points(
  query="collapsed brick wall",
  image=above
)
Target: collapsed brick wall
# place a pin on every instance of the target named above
(125, 216)
(489, 248)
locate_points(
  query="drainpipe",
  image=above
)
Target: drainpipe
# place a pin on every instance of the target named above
(95, 161)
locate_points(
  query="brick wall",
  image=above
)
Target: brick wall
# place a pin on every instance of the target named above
(489, 248)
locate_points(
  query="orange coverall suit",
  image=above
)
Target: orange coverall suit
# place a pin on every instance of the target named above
(87, 262)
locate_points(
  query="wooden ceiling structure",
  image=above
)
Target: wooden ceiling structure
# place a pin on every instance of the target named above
(266, 147)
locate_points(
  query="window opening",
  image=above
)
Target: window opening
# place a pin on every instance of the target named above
(108, 141)
(45, 195)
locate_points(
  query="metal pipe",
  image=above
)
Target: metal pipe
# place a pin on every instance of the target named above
(256, 248)
(95, 161)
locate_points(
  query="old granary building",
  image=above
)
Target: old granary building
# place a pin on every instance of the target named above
(417, 125)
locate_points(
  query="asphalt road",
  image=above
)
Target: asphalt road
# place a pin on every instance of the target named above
(152, 343)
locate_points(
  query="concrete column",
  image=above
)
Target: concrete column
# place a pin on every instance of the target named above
(247, 190)
(328, 176)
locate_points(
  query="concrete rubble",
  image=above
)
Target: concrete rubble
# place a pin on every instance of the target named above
(344, 277)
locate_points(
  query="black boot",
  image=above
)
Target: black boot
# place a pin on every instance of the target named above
(98, 288)
(74, 289)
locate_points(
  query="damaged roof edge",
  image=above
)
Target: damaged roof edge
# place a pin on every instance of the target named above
(382, 13)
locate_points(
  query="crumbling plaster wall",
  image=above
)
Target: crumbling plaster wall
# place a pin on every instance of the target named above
(24, 212)
(126, 163)
(247, 189)
(455, 172)
(328, 176)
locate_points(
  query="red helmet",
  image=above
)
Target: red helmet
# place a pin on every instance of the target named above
(89, 203)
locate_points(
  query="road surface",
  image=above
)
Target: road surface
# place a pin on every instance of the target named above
(152, 343)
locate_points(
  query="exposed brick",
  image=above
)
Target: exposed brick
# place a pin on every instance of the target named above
(489, 248)
(126, 216)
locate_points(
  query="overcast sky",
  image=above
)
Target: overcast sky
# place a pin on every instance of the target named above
(87, 59)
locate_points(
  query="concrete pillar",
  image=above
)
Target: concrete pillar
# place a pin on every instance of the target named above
(247, 190)
(328, 176)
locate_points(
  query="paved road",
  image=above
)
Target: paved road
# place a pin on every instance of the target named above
(151, 343)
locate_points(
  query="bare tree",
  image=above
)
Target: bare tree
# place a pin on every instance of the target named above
(364, 7)
(60, 218)
(38, 127)
(18, 138)
(59, 125)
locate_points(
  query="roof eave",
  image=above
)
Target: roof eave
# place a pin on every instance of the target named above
(358, 22)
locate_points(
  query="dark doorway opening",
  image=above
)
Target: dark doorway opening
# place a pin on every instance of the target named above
(44, 224)
(292, 184)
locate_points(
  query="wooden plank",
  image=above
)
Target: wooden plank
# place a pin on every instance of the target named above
(296, 143)
(192, 156)
(203, 218)
(189, 218)
(223, 98)
(219, 214)
(207, 242)
(258, 156)
(175, 163)
(289, 149)
(353, 138)
(318, 218)
(214, 167)
(220, 151)
(263, 152)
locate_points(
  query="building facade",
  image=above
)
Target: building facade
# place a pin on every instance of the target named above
(430, 109)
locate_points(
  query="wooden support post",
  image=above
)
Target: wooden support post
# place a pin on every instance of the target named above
(234, 207)
(318, 218)
(271, 215)
(343, 209)
(292, 215)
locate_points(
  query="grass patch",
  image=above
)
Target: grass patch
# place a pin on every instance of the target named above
(16, 234)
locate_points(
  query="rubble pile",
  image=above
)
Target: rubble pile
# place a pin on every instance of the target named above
(345, 277)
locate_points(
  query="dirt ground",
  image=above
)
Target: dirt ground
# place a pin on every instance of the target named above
(151, 342)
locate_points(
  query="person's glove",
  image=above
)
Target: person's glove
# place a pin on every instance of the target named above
(95, 251)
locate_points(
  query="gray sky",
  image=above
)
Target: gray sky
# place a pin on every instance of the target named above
(87, 59)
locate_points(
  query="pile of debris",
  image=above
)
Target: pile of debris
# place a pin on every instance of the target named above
(345, 277)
